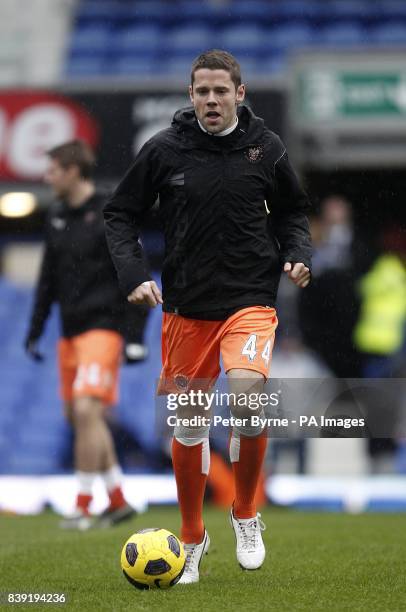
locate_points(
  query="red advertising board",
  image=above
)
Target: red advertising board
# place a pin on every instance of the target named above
(33, 122)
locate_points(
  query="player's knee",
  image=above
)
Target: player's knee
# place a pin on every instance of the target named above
(86, 410)
(248, 422)
(245, 409)
(246, 388)
(191, 436)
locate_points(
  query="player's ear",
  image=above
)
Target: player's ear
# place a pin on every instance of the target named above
(240, 93)
(191, 93)
(73, 171)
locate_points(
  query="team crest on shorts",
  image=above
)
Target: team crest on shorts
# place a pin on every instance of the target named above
(254, 154)
(181, 382)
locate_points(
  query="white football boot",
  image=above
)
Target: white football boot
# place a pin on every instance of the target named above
(250, 547)
(194, 554)
(78, 521)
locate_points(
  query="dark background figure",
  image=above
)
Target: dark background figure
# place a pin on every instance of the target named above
(329, 308)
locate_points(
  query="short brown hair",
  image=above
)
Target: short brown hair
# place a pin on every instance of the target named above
(216, 59)
(75, 153)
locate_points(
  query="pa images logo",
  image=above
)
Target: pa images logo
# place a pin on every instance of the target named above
(254, 154)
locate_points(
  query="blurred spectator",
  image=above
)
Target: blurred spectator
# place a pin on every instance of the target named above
(380, 331)
(328, 309)
(380, 335)
(334, 235)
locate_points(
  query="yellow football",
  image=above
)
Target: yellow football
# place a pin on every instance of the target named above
(153, 558)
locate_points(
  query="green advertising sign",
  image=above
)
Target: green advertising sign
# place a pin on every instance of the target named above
(325, 94)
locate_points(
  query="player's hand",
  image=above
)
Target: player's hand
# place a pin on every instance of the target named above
(147, 293)
(298, 273)
(135, 353)
(31, 348)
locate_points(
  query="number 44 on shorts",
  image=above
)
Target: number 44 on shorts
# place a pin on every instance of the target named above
(250, 349)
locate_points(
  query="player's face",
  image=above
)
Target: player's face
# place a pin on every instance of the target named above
(215, 98)
(60, 179)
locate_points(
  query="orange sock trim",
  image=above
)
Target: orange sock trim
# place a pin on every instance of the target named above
(191, 484)
(116, 498)
(83, 502)
(247, 472)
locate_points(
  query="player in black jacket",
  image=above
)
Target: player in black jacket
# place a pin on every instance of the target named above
(78, 274)
(234, 218)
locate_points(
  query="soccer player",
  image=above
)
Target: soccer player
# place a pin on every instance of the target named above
(218, 172)
(78, 274)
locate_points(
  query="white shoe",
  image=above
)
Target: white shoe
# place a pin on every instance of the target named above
(250, 547)
(78, 520)
(194, 554)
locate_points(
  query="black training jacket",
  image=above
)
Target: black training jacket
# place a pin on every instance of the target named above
(223, 251)
(77, 272)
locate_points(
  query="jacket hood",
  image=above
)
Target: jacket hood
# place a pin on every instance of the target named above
(252, 126)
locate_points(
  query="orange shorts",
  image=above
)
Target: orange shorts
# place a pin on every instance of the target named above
(191, 348)
(89, 365)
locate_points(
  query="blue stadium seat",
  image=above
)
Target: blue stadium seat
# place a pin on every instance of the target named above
(29, 462)
(194, 11)
(175, 66)
(48, 416)
(90, 39)
(124, 37)
(250, 67)
(7, 419)
(240, 39)
(285, 37)
(188, 39)
(390, 33)
(349, 9)
(106, 11)
(89, 11)
(151, 11)
(343, 34)
(144, 39)
(392, 9)
(84, 67)
(88, 46)
(137, 405)
(257, 11)
(131, 65)
(295, 10)
(5, 460)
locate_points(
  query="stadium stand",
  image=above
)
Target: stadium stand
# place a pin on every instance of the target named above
(129, 37)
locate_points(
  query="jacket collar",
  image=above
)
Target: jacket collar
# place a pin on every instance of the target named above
(249, 131)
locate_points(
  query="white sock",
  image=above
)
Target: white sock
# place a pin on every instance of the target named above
(86, 480)
(113, 477)
(206, 456)
(235, 444)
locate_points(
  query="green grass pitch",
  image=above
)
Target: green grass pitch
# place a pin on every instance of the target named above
(314, 562)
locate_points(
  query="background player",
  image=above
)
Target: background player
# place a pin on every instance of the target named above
(213, 169)
(78, 274)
